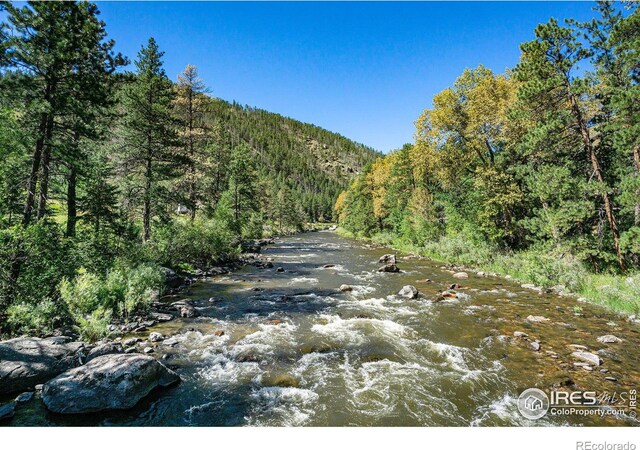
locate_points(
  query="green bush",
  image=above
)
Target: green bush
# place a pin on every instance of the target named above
(39, 318)
(94, 326)
(92, 300)
(201, 243)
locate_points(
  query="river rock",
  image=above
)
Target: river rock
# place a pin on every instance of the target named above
(171, 278)
(156, 337)
(389, 268)
(274, 322)
(218, 333)
(107, 382)
(531, 318)
(460, 275)
(280, 269)
(131, 341)
(328, 266)
(408, 291)
(148, 350)
(105, 348)
(388, 259)
(589, 358)
(7, 411)
(185, 309)
(27, 361)
(345, 288)
(535, 345)
(24, 397)
(161, 317)
(609, 339)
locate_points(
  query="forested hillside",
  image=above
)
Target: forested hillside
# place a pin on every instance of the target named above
(106, 175)
(314, 163)
(533, 173)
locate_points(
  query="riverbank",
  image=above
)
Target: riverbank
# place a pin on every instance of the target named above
(564, 275)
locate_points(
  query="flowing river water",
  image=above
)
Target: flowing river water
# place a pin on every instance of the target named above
(297, 351)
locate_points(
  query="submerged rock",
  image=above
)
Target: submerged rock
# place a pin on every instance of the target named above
(280, 269)
(609, 339)
(531, 318)
(408, 291)
(460, 275)
(108, 382)
(27, 361)
(589, 358)
(274, 322)
(390, 268)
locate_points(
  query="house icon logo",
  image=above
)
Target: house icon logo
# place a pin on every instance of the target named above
(533, 403)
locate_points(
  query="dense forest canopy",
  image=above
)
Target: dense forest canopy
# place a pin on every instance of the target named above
(108, 174)
(541, 161)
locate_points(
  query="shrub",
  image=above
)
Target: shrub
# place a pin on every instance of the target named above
(92, 301)
(201, 243)
(40, 318)
(94, 326)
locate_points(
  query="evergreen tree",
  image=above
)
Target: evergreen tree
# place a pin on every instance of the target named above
(58, 61)
(149, 134)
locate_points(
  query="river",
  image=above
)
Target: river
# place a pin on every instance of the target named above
(297, 351)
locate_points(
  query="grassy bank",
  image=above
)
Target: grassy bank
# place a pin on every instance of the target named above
(545, 269)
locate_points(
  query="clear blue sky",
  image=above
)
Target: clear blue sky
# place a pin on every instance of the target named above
(365, 70)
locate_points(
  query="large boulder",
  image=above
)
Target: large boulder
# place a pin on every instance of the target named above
(105, 383)
(27, 361)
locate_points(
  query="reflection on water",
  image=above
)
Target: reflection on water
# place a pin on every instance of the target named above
(300, 352)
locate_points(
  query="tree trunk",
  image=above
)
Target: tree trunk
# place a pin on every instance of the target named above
(35, 169)
(44, 170)
(636, 166)
(71, 202)
(595, 164)
(192, 169)
(146, 213)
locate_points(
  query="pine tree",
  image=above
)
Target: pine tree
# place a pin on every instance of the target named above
(59, 60)
(547, 68)
(190, 108)
(149, 133)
